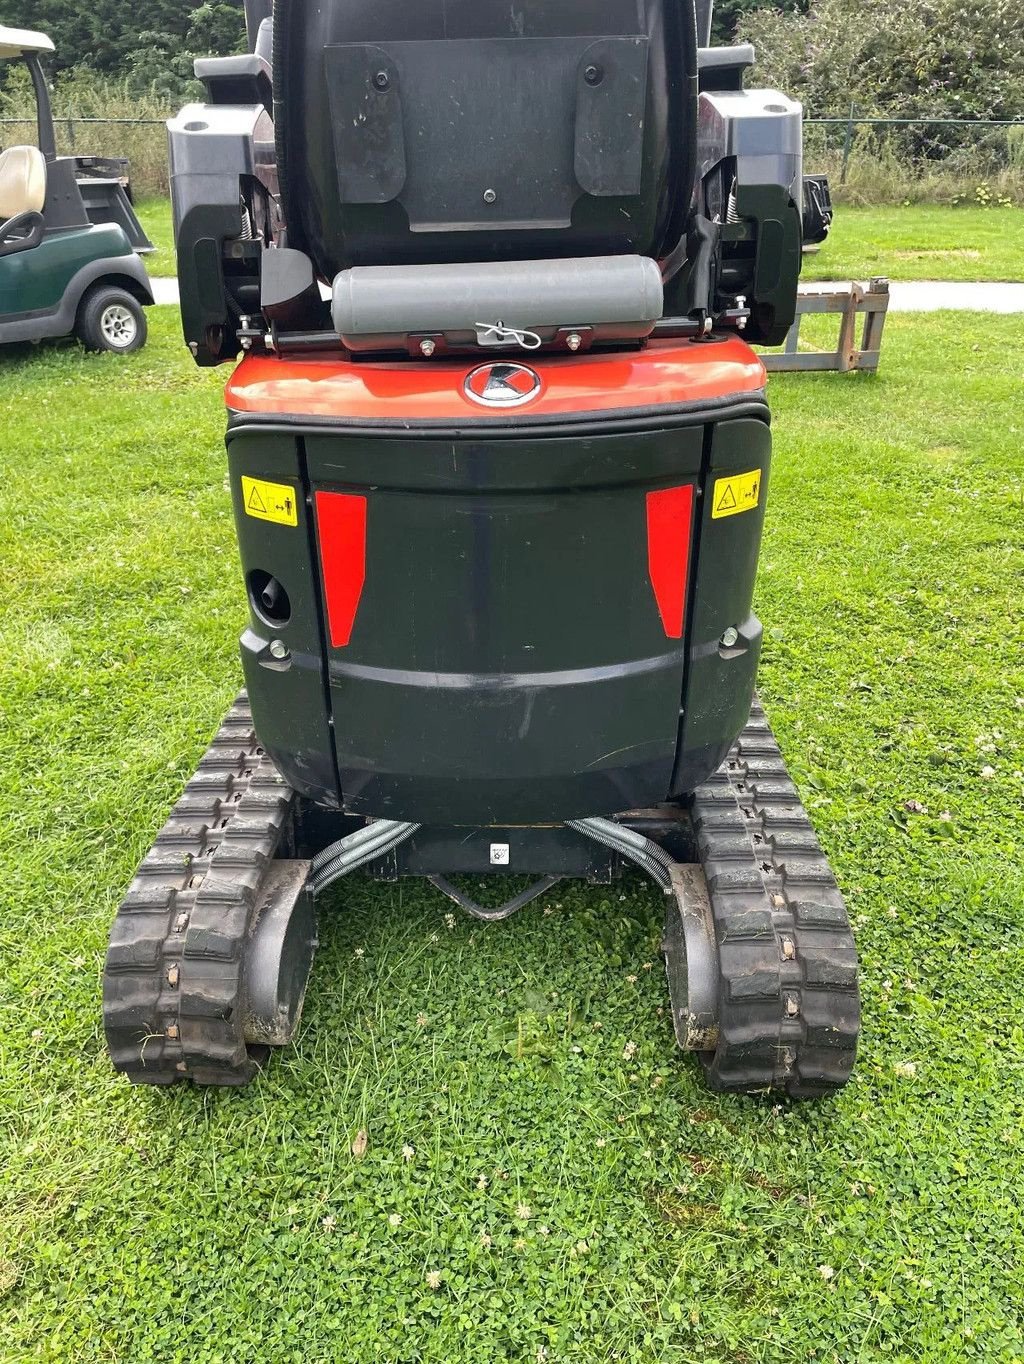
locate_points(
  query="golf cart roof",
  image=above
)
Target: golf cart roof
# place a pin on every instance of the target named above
(15, 42)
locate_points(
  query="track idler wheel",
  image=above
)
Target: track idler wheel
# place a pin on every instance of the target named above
(279, 957)
(691, 960)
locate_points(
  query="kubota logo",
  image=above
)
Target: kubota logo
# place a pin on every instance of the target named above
(502, 385)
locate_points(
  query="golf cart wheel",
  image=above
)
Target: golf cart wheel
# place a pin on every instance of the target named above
(112, 319)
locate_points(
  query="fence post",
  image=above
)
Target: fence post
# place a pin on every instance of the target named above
(847, 144)
(71, 134)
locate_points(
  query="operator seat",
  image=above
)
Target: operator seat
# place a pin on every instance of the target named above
(22, 182)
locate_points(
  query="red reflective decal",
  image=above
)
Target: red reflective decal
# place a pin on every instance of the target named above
(669, 513)
(341, 530)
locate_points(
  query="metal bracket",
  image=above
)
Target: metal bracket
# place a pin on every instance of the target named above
(870, 301)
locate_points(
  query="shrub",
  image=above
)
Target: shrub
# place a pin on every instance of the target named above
(81, 95)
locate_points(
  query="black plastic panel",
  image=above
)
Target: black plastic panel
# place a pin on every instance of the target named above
(366, 116)
(507, 662)
(474, 134)
(288, 698)
(720, 681)
(611, 84)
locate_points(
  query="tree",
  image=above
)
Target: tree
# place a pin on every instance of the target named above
(729, 15)
(948, 58)
(115, 38)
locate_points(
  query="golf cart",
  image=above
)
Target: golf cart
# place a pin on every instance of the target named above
(61, 272)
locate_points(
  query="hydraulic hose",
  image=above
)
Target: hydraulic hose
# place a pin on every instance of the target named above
(365, 845)
(357, 849)
(645, 853)
(622, 833)
(374, 832)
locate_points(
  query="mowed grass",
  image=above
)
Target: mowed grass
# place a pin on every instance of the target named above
(922, 241)
(155, 216)
(536, 1148)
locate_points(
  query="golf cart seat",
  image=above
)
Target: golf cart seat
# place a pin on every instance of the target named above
(22, 197)
(22, 182)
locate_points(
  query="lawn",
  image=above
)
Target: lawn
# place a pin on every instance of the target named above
(922, 241)
(536, 1148)
(155, 217)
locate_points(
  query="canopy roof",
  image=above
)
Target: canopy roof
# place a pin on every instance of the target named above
(14, 42)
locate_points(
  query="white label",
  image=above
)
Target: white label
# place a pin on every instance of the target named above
(499, 855)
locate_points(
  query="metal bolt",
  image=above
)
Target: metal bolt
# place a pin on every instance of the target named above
(181, 922)
(181, 1066)
(427, 347)
(172, 1030)
(792, 1006)
(172, 976)
(729, 637)
(593, 75)
(382, 80)
(278, 648)
(574, 340)
(490, 196)
(788, 949)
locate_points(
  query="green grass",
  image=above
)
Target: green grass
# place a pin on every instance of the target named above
(922, 241)
(155, 217)
(666, 1224)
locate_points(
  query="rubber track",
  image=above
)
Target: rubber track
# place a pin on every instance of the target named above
(789, 1007)
(173, 985)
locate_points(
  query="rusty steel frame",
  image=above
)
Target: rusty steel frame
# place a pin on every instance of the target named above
(852, 301)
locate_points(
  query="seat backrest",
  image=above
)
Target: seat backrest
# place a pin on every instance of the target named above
(434, 131)
(264, 45)
(22, 182)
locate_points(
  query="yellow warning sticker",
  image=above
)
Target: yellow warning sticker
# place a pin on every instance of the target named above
(739, 493)
(270, 501)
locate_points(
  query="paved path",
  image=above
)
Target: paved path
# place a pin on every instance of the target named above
(918, 296)
(929, 296)
(165, 290)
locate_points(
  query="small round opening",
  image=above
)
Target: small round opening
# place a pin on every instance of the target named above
(268, 598)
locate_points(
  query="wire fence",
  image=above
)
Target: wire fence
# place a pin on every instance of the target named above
(142, 140)
(875, 158)
(972, 146)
